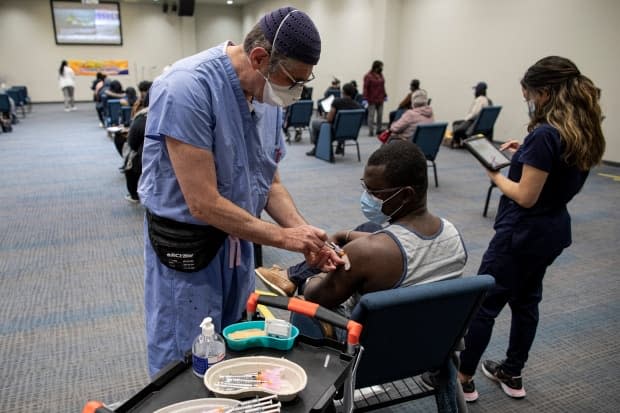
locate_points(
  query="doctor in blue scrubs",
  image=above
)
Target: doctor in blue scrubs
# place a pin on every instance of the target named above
(210, 168)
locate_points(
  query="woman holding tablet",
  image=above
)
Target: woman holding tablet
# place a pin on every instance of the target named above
(533, 226)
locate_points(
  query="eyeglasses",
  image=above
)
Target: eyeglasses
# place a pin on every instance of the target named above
(377, 191)
(295, 82)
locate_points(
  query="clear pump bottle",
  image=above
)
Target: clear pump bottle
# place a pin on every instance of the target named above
(208, 348)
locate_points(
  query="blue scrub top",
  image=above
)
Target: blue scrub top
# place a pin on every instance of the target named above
(199, 101)
(546, 225)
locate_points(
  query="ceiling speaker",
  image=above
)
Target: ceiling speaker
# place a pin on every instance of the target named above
(186, 7)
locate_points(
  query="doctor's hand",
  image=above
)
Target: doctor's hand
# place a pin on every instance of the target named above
(326, 259)
(510, 146)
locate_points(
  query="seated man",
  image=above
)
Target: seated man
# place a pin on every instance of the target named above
(416, 247)
(419, 114)
(345, 102)
(460, 128)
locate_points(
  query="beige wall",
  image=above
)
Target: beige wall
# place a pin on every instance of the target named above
(448, 44)
(151, 40)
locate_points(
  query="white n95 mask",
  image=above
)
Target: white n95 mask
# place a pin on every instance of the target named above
(282, 96)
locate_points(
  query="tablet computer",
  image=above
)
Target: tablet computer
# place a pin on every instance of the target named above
(488, 155)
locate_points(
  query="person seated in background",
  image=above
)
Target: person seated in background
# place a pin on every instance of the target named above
(332, 90)
(121, 136)
(133, 158)
(415, 247)
(111, 89)
(345, 102)
(460, 127)
(143, 89)
(357, 96)
(420, 113)
(99, 77)
(405, 104)
(130, 98)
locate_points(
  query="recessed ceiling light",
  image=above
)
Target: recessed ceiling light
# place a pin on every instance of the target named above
(229, 1)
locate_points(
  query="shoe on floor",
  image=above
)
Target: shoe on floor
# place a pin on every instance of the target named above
(339, 149)
(131, 199)
(429, 381)
(276, 279)
(311, 152)
(511, 385)
(470, 394)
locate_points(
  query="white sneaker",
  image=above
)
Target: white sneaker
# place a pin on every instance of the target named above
(67, 109)
(73, 108)
(132, 200)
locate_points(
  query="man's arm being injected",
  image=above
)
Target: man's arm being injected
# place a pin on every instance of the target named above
(376, 264)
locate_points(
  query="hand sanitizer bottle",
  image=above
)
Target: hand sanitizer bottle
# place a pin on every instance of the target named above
(208, 348)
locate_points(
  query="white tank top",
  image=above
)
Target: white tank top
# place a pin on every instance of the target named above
(425, 258)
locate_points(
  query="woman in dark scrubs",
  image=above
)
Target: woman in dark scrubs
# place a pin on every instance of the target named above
(533, 226)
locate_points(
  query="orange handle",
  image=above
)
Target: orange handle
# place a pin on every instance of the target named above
(310, 309)
(94, 406)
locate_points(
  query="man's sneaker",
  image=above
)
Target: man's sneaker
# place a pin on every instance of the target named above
(277, 280)
(511, 385)
(470, 394)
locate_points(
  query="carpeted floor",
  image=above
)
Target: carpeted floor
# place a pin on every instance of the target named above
(71, 270)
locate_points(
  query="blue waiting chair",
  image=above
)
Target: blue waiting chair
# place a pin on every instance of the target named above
(298, 116)
(5, 113)
(428, 137)
(412, 330)
(17, 98)
(112, 112)
(405, 332)
(23, 90)
(485, 122)
(346, 127)
(5, 105)
(126, 115)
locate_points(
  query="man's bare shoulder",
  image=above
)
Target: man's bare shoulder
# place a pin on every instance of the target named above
(376, 260)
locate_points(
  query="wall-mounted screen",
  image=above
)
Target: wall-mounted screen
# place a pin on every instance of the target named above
(78, 23)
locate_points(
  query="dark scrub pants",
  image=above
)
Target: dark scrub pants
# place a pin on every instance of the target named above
(517, 258)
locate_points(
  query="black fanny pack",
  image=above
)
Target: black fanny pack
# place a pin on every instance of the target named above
(181, 246)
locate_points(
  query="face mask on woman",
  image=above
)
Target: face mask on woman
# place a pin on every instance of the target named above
(531, 108)
(372, 207)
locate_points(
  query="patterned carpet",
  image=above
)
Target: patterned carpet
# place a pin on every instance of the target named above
(71, 315)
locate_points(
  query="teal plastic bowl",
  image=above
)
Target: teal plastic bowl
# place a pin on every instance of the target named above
(260, 341)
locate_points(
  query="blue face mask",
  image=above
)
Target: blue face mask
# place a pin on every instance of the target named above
(372, 207)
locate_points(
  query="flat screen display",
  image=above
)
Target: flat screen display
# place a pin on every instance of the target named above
(96, 24)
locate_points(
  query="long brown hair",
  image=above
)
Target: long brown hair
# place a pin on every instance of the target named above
(573, 109)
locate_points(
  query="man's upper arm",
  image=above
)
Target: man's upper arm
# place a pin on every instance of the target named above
(376, 264)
